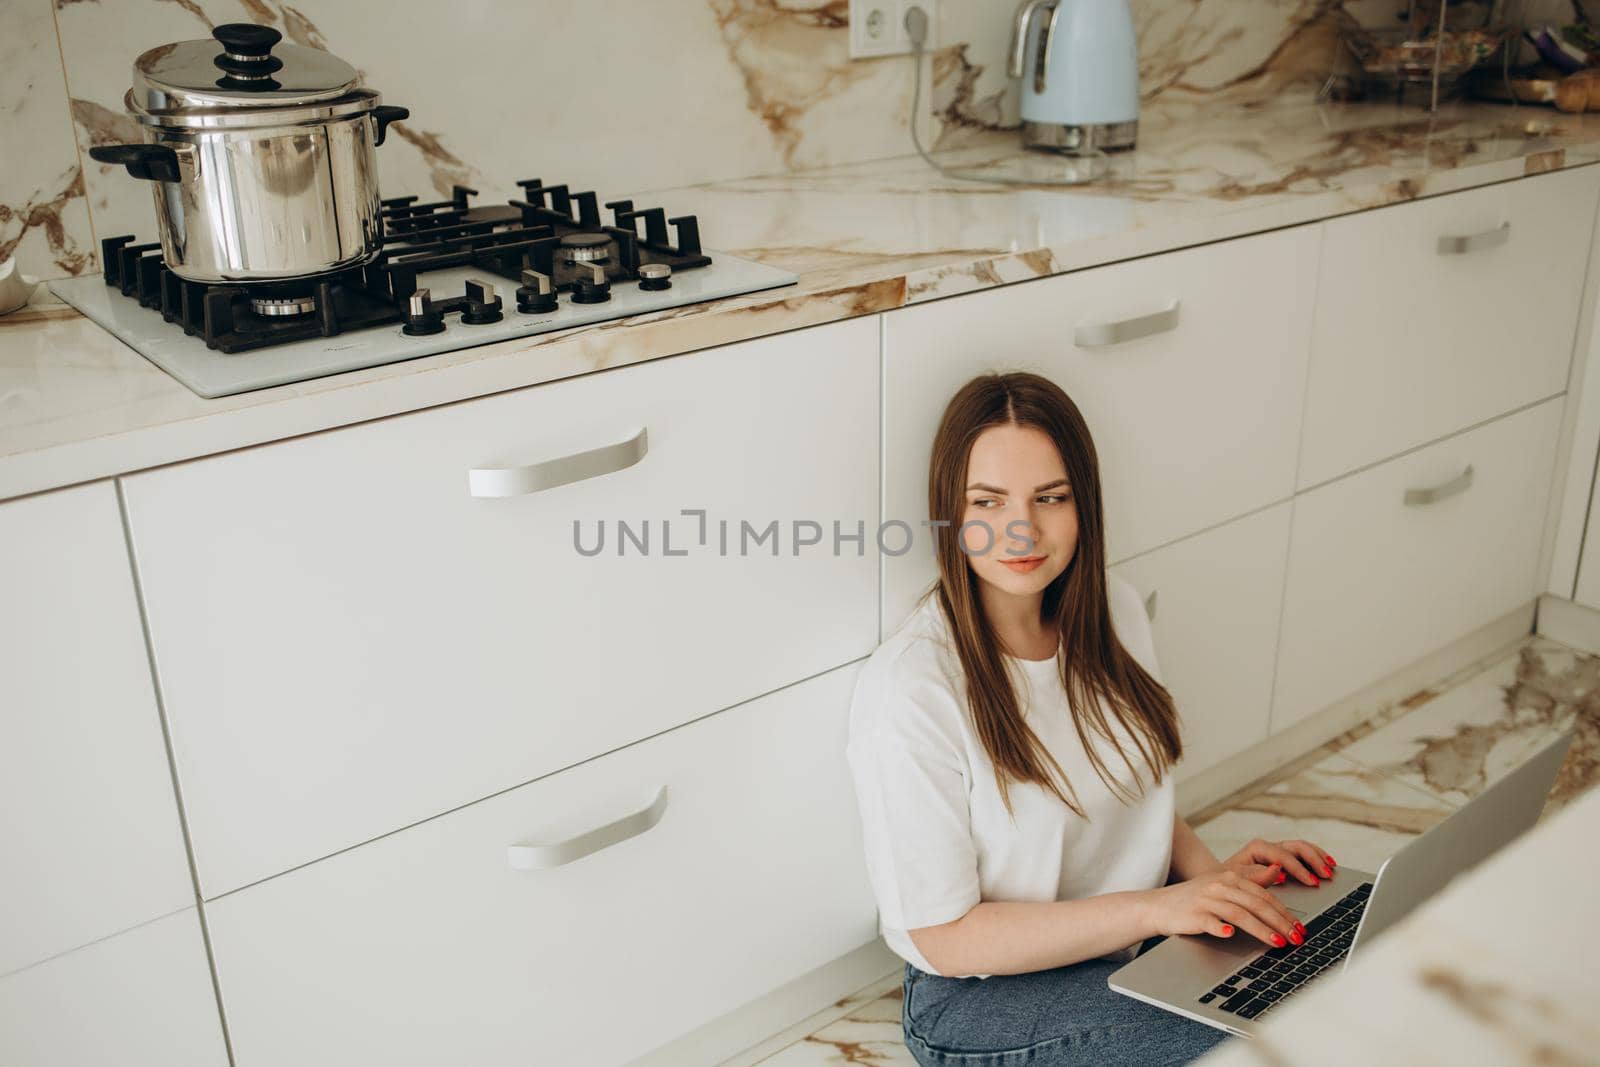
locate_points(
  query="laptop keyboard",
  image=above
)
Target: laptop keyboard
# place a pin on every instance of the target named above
(1265, 981)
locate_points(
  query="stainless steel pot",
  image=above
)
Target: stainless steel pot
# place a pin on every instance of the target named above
(262, 163)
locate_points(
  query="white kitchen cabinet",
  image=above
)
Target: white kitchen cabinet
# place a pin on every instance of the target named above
(90, 842)
(1376, 583)
(1193, 424)
(1215, 600)
(1440, 313)
(741, 868)
(141, 997)
(1588, 585)
(348, 641)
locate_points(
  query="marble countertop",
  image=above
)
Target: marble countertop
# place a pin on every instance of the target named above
(1494, 969)
(76, 404)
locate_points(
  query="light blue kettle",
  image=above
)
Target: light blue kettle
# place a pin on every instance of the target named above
(1079, 65)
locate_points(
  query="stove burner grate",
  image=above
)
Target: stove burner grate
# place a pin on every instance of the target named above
(535, 234)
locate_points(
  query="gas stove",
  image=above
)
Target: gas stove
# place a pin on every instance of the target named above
(450, 275)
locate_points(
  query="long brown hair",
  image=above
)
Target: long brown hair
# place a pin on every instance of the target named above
(1093, 663)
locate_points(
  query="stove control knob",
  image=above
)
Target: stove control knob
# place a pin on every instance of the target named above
(421, 319)
(592, 286)
(483, 306)
(654, 276)
(535, 296)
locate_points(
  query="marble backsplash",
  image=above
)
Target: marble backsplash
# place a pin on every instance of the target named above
(621, 97)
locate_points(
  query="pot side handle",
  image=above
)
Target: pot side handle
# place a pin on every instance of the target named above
(382, 115)
(152, 162)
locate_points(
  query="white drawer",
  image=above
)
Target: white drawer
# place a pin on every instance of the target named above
(142, 997)
(426, 947)
(89, 836)
(1216, 598)
(1375, 584)
(1192, 426)
(349, 642)
(1413, 343)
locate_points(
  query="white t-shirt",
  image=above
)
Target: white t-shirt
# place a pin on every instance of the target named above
(938, 837)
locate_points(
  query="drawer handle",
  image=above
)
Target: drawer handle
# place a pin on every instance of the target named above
(543, 857)
(1439, 492)
(515, 481)
(1096, 334)
(1487, 239)
(1150, 605)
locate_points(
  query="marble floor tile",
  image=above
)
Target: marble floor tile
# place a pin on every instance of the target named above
(1570, 680)
(1350, 811)
(870, 1034)
(1473, 734)
(861, 1028)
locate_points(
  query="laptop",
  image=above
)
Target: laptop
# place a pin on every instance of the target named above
(1233, 983)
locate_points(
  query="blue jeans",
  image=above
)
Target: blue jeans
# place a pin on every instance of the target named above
(1057, 1018)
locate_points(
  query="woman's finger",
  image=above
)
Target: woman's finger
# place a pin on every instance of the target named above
(1290, 853)
(1268, 907)
(1243, 918)
(1313, 857)
(1327, 862)
(1267, 874)
(1262, 872)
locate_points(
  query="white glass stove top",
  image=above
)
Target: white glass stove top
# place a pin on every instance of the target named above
(211, 373)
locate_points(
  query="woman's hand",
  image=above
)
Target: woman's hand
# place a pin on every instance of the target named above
(1216, 903)
(1269, 862)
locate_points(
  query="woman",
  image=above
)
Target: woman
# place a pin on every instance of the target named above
(1010, 900)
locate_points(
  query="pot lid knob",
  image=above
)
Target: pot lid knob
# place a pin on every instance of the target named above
(247, 52)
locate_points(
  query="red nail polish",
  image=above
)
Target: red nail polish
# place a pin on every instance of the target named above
(1281, 877)
(1315, 880)
(1277, 939)
(1297, 938)
(1227, 931)
(1331, 863)
(1326, 873)
(1299, 926)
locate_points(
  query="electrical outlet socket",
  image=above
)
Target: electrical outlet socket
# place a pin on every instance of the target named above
(878, 27)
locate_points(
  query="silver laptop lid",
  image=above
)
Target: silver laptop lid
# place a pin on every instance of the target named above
(1475, 831)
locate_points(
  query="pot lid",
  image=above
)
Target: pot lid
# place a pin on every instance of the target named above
(244, 66)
